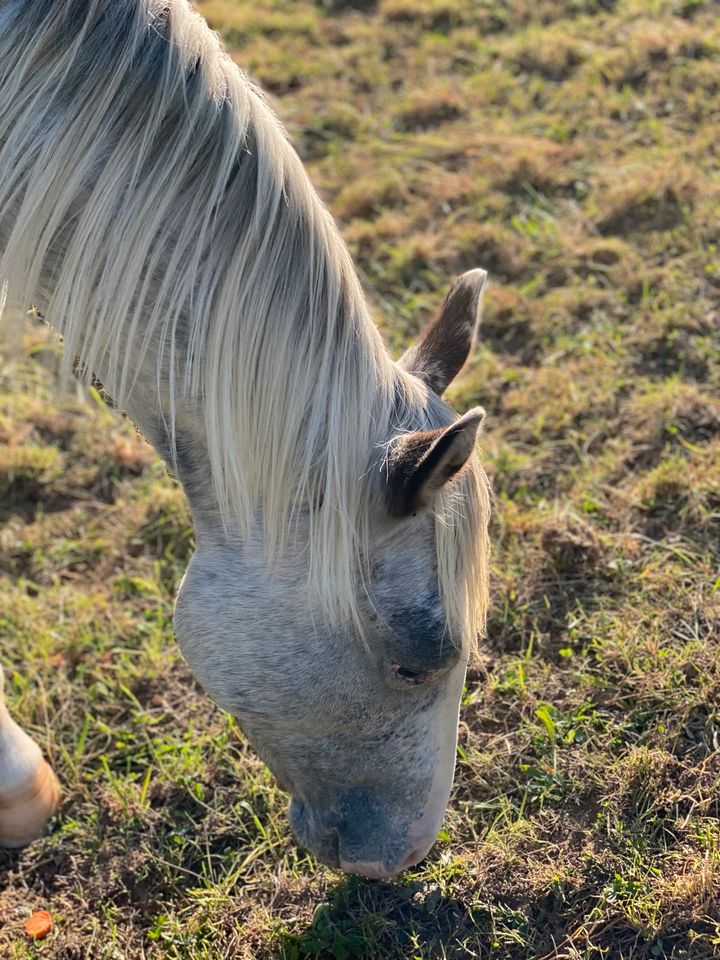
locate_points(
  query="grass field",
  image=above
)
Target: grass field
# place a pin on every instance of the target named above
(571, 147)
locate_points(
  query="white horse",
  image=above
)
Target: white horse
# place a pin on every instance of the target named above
(154, 211)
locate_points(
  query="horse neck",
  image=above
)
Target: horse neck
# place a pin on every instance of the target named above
(177, 425)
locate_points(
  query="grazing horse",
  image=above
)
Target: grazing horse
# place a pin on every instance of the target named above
(153, 210)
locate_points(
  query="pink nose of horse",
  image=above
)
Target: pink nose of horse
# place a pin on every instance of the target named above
(380, 871)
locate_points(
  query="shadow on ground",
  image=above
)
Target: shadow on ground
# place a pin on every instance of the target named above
(404, 917)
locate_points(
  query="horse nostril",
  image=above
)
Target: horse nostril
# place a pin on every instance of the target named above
(322, 841)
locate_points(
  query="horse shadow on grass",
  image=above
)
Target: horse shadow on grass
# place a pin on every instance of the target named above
(364, 919)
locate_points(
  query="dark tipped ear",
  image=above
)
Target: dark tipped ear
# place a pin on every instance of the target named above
(444, 345)
(420, 463)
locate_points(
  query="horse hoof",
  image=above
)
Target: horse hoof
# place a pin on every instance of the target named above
(26, 807)
(29, 789)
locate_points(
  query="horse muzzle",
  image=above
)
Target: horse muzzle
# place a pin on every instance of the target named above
(359, 837)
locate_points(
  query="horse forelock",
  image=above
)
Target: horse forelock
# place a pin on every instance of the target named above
(151, 202)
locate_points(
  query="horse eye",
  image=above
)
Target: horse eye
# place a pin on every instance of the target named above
(413, 677)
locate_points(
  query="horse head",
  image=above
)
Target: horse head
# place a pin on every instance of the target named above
(358, 721)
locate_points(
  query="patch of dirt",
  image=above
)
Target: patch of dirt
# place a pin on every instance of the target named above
(571, 547)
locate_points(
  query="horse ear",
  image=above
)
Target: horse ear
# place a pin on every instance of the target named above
(444, 345)
(419, 464)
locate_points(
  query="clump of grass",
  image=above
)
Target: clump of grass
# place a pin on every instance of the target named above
(655, 199)
(424, 108)
(680, 493)
(369, 196)
(671, 414)
(25, 470)
(548, 52)
(440, 15)
(325, 127)
(501, 251)
(651, 47)
(541, 165)
(547, 401)
(572, 546)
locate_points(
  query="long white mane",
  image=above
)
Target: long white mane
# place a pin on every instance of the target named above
(151, 205)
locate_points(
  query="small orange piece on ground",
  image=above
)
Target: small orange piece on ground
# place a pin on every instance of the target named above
(39, 925)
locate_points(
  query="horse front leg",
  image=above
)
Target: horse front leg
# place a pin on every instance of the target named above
(29, 790)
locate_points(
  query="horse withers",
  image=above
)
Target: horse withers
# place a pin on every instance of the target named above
(154, 211)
